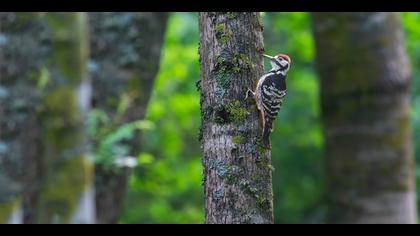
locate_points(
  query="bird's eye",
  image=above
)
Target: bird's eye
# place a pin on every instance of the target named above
(283, 62)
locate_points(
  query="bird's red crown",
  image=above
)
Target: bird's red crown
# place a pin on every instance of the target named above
(285, 56)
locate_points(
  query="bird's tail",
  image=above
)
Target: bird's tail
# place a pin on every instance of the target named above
(268, 124)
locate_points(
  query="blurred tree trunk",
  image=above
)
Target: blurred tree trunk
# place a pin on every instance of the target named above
(44, 96)
(237, 170)
(126, 50)
(365, 81)
(66, 194)
(21, 57)
(10, 201)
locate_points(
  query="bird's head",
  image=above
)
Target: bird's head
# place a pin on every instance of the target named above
(280, 62)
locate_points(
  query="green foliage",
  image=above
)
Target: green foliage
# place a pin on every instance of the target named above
(167, 187)
(411, 23)
(169, 190)
(108, 137)
(297, 138)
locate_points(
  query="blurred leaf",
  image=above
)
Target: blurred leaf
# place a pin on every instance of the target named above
(145, 158)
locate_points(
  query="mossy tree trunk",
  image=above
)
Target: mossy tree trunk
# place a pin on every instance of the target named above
(237, 170)
(66, 194)
(126, 49)
(365, 81)
(45, 96)
(21, 57)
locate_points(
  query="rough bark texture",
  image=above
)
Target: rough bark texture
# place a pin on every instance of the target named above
(126, 50)
(21, 57)
(365, 80)
(237, 170)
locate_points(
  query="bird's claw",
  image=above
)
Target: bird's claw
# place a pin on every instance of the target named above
(247, 93)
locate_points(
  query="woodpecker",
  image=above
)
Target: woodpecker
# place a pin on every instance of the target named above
(269, 94)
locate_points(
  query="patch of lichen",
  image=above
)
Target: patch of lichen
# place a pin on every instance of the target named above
(260, 147)
(231, 179)
(232, 15)
(63, 189)
(249, 188)
(207, 113)
(227, 67)
(221, 167)
(223, 35)
(246, 61)
(219, 193)
(237, 112)
(225, 70)
(6, 209)
(238, 140)
(262, 201)
(231, 112)
(263, 163)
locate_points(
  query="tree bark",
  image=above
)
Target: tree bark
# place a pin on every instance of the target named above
(21, 56)
(365, 81)
(125, 58)
(237, 170)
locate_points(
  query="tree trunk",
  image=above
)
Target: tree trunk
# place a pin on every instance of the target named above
(10, 201)
(126, 50)
(365, 81)
(237, 170)
(21, 57)
(66, 194)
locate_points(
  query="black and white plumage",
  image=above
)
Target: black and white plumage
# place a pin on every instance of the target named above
(269, 94)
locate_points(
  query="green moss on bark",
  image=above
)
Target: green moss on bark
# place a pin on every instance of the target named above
(62, 118)
(63, 189)
(222, 34)
(232, 15)
(6, 210)
(67, 172)
(233, 111)
(70, 44)
(238, 140)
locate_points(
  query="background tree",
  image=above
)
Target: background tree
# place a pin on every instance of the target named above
(66, 194)
(125, 57)
(44, 143)
(237, 170)
(155, 196)
(297, 156)
(365, 81)
(21, 54)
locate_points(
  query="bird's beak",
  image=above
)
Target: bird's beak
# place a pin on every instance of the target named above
(269, 57)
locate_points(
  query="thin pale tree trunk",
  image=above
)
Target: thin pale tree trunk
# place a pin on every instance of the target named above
(237, 170)
(126, 49)
(65, 195)
(365, 81)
